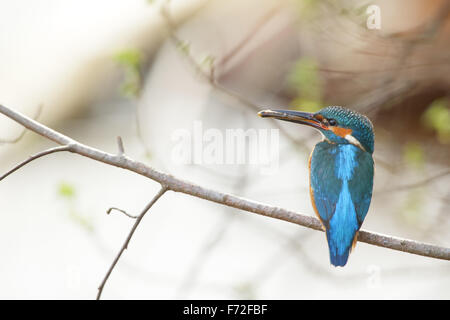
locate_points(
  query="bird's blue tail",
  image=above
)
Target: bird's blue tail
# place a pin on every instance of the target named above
(339, 252)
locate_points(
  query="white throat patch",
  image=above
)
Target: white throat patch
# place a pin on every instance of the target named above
(354, 141)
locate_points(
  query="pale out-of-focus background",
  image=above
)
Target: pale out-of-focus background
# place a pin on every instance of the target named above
(103, 69)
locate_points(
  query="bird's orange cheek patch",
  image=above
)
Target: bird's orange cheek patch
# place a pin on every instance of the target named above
(341, 132)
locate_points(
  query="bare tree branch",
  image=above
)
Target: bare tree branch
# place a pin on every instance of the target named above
(127, 241)
(186, 187)
(22, 134)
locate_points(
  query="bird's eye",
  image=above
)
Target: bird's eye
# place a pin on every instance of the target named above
(331, 122)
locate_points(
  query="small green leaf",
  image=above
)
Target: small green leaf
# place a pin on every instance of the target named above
(130, 88)
(130, 60)
(413, 208)
(437, 118)
(208, 61)
(413, 155)
(306, 105)
(304, 79)
(66, 190)
(184, 46)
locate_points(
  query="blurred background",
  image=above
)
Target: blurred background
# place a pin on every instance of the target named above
(144, 69)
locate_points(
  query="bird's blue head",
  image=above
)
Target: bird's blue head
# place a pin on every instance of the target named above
(337, 124)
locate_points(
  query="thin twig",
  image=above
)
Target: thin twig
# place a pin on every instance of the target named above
(120, 146)
(186, 187)
(122, 211)
(127, 241)
(417, 184)
(241, 44)
(34, 157)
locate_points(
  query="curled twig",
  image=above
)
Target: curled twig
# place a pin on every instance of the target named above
(122, 211)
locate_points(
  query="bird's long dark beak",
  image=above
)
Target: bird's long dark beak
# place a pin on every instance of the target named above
(292, 116)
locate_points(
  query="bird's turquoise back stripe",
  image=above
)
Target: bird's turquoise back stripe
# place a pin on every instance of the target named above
(343, 224)
(345, 161)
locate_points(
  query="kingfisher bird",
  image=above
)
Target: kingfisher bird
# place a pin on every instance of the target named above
(341, 170)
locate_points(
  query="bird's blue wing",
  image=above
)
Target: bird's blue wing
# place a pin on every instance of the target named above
(361, 184)
(325, 185)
